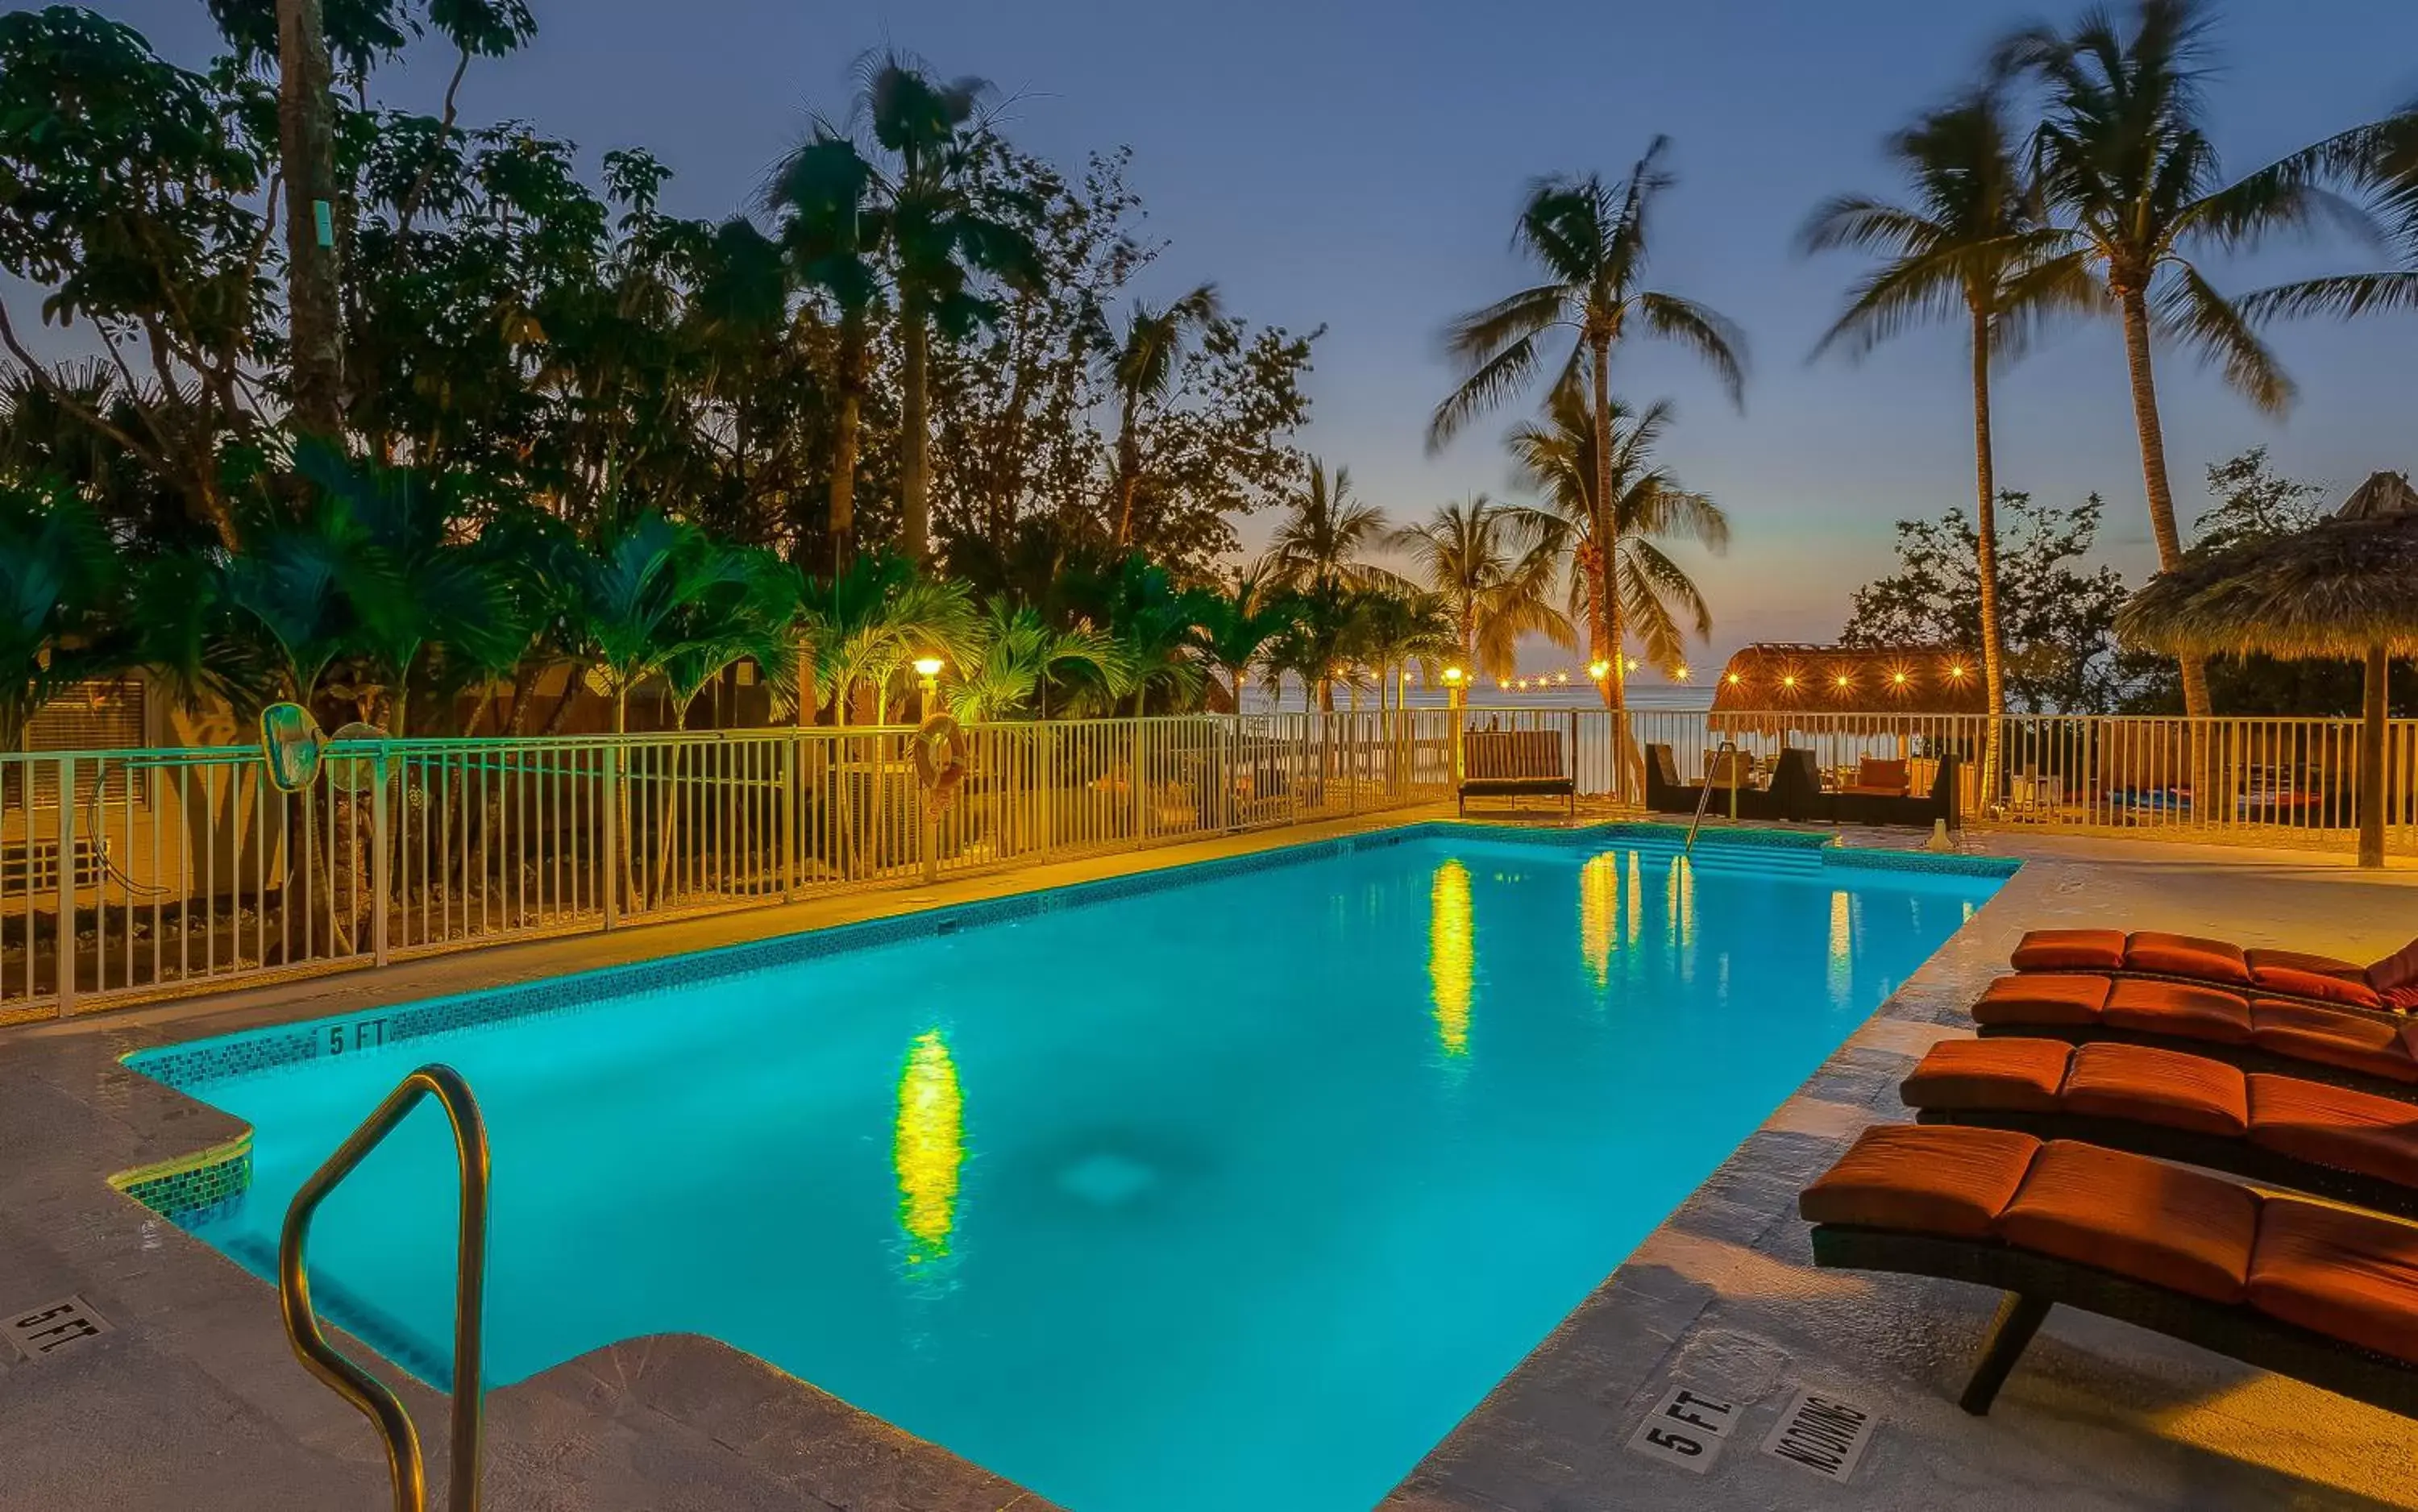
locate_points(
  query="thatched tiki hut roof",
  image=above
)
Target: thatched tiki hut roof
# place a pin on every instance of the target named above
(2344, 590)
(1766, 685)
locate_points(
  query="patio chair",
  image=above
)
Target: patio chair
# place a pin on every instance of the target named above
(2318, 1292)
(2327, 1141)
(1515, 764)
(2316, 1042)
(2388, 986)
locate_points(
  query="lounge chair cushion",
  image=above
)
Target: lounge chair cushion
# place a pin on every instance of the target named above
(2071, 949)
(2043, 998)
(1879, 778)
(2396, 978)
(2186, 955)
(2335, 1126)
(1947, 1180)
(2178, 1229)
(2331, 1037)
(2178, 1008)
(2155, 1085)
(2343, 1272)
(2014, 1075)
(2322, 977)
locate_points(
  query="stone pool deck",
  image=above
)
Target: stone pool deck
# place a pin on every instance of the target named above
(191, 1402)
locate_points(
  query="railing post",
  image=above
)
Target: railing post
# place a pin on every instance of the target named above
(64, 948)
(381, 849)
(1133, 757)
(793, 756)
(612, 852)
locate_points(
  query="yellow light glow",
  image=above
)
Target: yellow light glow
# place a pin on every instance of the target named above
(1841, 679)
(1843, 947)
(1452, 676)
(1599, 916)
(1681, 674)
(1452, 956)
(928, 1148)
(1957, 669)
(1599, 669)
(1898, 677)
(1734, 679)
(1788, 679)
(1632, 663)
(1562, 678)
(1681, 910)
(927, 666)
(1637, 897)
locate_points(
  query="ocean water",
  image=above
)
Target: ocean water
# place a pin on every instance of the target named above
(1239, 1192)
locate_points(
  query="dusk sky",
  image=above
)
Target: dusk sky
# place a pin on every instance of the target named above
(1359, 165)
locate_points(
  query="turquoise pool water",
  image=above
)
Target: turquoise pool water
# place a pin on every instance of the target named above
(1241, 1192)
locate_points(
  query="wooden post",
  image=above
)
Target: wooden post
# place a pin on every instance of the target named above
(2373, 789)
(64, 939)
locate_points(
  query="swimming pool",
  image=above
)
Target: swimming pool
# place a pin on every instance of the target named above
(1239, 1185)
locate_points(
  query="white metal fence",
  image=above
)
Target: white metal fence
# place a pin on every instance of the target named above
(174, 871)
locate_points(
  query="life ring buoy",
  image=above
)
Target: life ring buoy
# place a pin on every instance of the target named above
(940, 759)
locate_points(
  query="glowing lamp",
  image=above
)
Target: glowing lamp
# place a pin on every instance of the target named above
(1452, 676)
(928, 666)
(1681, 674)
(1734, 679)
(1955, 669)
(1898, 677)
(1599, 669)
(1788, 679)
(1841, 679)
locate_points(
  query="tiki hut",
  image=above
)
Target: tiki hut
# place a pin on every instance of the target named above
(1766, 688)
(2344, 590)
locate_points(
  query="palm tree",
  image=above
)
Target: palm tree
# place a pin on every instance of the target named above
(1589, 238)
(2122, 158)
(823, 194)
(947, 230)
(2381, 160)
(863, 627)
(1961, 247)
(1654, 594)
(307, 162)
(1327, 535)
(1238, 625)
(1390, 630)
(1143, 369)
(1017, 654)
(1492, 566)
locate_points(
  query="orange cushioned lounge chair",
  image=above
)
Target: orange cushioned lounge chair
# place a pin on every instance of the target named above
(2328, 1140)
(2321, 1294)
(2388, 986)
(2311, 1041)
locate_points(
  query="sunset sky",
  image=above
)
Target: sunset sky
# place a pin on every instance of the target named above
(1358, 165)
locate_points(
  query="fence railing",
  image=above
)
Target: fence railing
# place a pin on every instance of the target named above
(2283, 781)
(173, 871)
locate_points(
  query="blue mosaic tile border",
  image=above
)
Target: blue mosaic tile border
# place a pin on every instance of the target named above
(187, 1190)
(200, 1062)
(1951, 863)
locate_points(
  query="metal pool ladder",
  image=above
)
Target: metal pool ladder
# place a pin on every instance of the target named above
(1722, 757)
(349, 1380)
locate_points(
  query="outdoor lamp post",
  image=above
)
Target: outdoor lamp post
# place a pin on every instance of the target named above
(1455, 689)
(928, 668)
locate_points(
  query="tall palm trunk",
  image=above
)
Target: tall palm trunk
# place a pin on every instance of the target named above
(846, 441)
(1607, 539)
(914, 456)
(1985, 533)
(1128, 472)
(306, 150)
(2153, 474)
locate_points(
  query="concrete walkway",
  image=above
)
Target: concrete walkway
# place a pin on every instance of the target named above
(191, 1402)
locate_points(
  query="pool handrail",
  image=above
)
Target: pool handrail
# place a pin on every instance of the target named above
(1724, 756)
(375, 1400)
